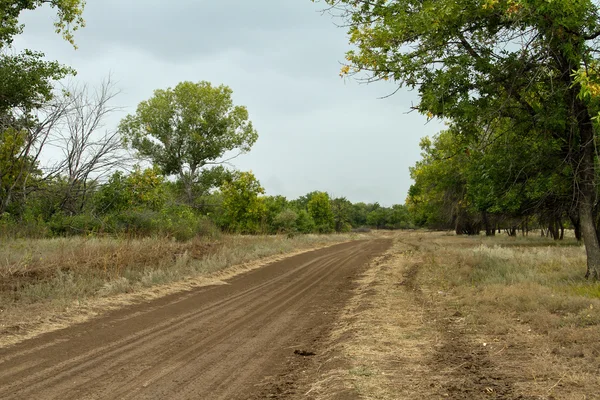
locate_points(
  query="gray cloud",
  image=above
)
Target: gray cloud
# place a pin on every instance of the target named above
(281, 58)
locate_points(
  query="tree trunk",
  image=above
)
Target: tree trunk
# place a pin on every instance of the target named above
(590, 239)
(576, 225)
(586, 172)
(5, 203)
(457, 227)
(489, 230)
(188, 185)
(553, 228)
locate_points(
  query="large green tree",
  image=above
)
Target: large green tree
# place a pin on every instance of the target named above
(184, 129)
(474, 61)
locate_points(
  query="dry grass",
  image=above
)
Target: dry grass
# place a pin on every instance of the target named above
(380, 347)
(49, 283)
(530, 302)
(441, 316)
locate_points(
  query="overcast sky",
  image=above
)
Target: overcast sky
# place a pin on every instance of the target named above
(282, 60)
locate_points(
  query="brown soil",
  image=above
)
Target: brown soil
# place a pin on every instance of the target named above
(256, 337)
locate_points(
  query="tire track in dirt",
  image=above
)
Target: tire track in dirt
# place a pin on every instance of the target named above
(213, 342)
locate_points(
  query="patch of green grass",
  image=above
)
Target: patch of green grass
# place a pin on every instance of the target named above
(591, 290)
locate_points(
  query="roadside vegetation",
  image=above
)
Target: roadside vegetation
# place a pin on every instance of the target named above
(46, 280)
(516, 82)
(508, 315)
(442, 316)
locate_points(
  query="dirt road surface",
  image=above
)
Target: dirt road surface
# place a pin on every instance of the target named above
(248, 339)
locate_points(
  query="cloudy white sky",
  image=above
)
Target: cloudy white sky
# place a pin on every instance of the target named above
(282, 59)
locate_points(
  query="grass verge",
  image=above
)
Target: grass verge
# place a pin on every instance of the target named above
(441, 316)
(47, 284)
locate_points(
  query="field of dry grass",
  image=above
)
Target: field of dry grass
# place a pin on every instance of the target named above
(46, 284)
(441, 316)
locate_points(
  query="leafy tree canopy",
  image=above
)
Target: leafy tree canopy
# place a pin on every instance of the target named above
(243, 207)
(319, 208)
(477, 63)
(69, 17)
(185, 128)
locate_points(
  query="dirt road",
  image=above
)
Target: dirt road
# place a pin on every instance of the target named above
(245, 340)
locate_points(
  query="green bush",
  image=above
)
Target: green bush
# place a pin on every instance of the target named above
(28, 226)
(70, 225)
(134, 222)
(176, 221)
(179, 222)
(305, 223)
(285, 221)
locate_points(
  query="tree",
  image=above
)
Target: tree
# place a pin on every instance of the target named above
(476, 61)
(26, 81)
(319, 208)
(114, 195)
(23, 136)
(304, 222)
(275, 206)
(26, 78)
(184, 129)
(243, 208)
(342, 214)
(144, 189)
(88, 153)
(399, 217)
(378, 218)
(438, 197)
(301, 203)
(210, 178)
(16, 165)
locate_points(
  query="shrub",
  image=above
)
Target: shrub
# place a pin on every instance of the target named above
(285, 221)
(135, 222)
(179, 222)
(304, 222)
(69, 225)
(176, 221)
(29, 226)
